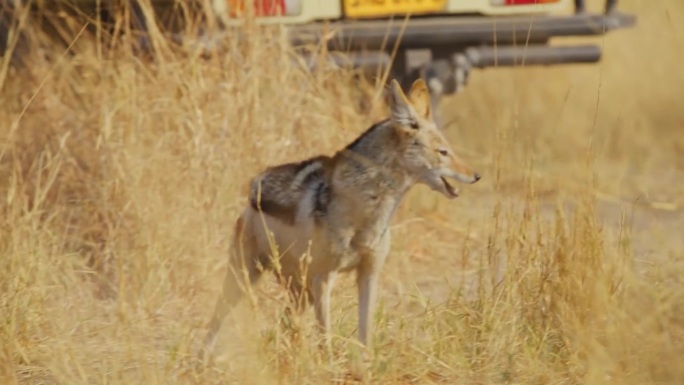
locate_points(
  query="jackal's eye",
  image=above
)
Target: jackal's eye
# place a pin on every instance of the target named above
(414, 124)
(443, 152)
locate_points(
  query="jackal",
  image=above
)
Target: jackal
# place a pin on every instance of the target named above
(336, 211)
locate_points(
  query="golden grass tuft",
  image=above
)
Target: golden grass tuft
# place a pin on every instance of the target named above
(122, 176)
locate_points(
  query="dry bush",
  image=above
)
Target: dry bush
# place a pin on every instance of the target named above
(122, 176)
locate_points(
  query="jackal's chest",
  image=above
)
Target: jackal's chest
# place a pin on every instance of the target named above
(367, 247)
(358, 235)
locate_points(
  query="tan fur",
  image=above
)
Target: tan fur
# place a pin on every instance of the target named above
(341, 206)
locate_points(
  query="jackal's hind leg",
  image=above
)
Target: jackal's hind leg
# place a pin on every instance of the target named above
(243, 271)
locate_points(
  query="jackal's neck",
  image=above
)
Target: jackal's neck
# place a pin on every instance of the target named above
(371, 163)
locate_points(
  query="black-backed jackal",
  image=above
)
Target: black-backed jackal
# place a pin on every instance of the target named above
(336, 211)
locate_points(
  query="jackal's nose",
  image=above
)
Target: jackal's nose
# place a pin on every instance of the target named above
(477, 176)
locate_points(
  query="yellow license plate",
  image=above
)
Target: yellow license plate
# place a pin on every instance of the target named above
(379, 8)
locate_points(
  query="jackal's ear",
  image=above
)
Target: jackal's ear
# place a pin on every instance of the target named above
(400, 106)
(419, 95)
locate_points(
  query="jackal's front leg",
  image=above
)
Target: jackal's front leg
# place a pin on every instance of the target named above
(367, 283)
(321, 287)
(368, 273)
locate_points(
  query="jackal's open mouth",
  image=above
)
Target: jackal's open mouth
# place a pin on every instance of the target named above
(449, 188)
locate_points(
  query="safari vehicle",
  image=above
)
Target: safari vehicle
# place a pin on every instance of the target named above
(454, 36)
(451, 37)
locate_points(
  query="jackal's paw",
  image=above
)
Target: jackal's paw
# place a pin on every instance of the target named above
(360, 364)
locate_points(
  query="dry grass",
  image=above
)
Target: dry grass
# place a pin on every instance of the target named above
(121, 179)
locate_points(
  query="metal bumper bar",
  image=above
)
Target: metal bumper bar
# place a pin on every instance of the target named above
(461, 31)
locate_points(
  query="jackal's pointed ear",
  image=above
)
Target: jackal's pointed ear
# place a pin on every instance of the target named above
(420, 98)
(400, 106)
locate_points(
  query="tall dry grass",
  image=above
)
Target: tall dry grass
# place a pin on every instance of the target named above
(122, 176)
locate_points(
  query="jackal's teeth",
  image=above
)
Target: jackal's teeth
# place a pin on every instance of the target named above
(453, 191)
